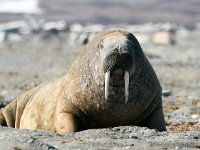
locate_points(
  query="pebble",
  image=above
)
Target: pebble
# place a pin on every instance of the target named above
(195, 116)
(166, 93)
(133, 137)
(76, 28)
(185, 110)
(147, 31)
(4, 93)
(2, 36)
(178, 148)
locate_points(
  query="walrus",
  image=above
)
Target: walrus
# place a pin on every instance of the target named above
(111, 83)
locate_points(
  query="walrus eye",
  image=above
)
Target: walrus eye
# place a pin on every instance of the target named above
(100, 46)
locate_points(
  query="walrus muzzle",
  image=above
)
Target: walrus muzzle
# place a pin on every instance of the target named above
(126, 84)
(118, 65)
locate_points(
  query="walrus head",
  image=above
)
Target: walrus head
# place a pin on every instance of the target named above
(117, 60)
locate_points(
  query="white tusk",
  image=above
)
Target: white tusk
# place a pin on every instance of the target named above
(126, 81)
(107, 79)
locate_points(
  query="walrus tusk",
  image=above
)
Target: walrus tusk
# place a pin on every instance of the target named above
(107, 79)
(126, 81)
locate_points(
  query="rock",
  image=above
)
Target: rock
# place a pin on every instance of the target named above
(197, 126)
(4, 93)
(59, 26)
(195, 116)
(163, 37)
(143, 38)
(27, 86)
(76, 28)
(35, 25)
(184, 110)
(166, 93)
(2, 36)
(1, 102)
(13, 25)
(73, 37)
(83, 38)
(94, 28)
(13, 38)
(196, 103)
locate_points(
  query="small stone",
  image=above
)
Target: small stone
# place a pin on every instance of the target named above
(2, 36)
(166, 93)
(31, 140)
(133, 137)
(195, 116)
(1, 102)
(33, 84)
(143, 38)
(163, 37)
(178, 148)
(76, 28)
(185, 110)
(13, 37)
(16, 148)
(4, 92)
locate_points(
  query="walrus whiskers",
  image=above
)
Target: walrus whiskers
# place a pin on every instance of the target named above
(107, 80)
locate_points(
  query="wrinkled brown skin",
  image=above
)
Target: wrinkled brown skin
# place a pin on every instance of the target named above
(76, 101)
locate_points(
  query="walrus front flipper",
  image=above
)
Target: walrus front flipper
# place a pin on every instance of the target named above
(67, 123)
(156, 120)
(8, 114)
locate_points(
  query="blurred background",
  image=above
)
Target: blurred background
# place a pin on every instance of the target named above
(103, 11)
(40, 39)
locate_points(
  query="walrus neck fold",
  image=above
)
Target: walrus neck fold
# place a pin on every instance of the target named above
(126, 85)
